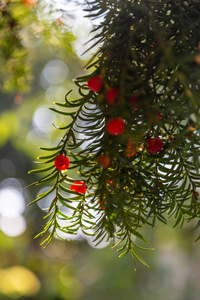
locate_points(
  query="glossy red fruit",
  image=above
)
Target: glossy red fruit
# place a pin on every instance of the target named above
(111, 96)
(95, 83)
(61, 162)
(103, 161)
(115, 126)
(79, 187)
(154, 145)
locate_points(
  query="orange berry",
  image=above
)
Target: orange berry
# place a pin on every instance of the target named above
(103, 161)
(131, 148)
(102, 204)
(30, 2)
(197, 59)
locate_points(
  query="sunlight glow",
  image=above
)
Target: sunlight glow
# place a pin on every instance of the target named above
(18, 281)
(13, 226)
(12, 207)
(42, 118)
(55, 71)
(11, 202)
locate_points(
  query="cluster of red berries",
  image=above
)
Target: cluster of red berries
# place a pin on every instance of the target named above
(62, 163)
(112, 95)
(116, 126)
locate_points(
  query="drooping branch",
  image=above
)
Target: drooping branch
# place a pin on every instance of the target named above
(134, 134)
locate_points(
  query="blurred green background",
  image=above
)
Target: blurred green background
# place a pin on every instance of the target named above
(40, 56)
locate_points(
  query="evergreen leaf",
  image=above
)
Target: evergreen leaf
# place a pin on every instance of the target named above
(41, 196)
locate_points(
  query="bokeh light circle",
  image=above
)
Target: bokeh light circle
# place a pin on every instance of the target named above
(13, 226)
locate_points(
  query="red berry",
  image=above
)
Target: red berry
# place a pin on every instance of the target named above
(61, 162)
(134, 100)
(154, 145)
(158, 115)
(79, 187)
(103, 161)
(30, 2)
(109, 181)
(115, 126)
(95, 83)
(154, 115)
(111, 95)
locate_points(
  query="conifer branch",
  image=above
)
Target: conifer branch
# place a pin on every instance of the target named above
(138, 162)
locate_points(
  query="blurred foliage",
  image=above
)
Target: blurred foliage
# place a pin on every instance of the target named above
(40, 35)
(24, 24)
(74, 271)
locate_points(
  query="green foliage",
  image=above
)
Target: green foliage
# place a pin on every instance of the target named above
(12, 52)
(22, 25)
(149, 51)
